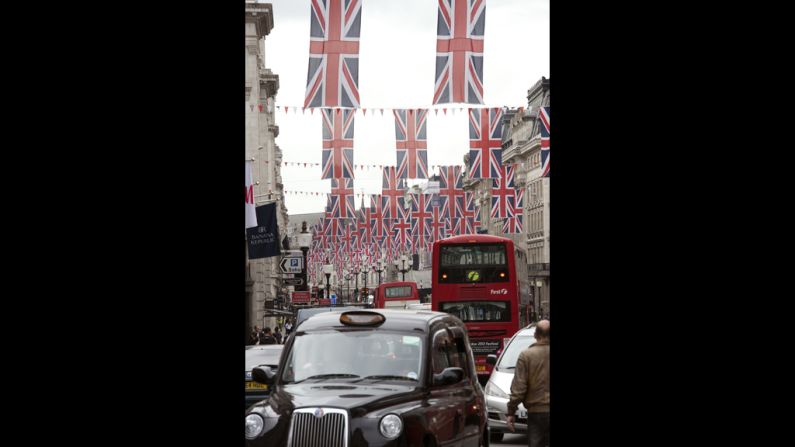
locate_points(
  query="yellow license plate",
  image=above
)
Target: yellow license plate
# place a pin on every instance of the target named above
(255, 386)
(481, 367)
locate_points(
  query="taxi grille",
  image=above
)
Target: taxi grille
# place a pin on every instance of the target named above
(309, 430)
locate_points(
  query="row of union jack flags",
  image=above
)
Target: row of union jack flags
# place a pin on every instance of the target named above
(391, 226)
(411, 137)
(333, 74)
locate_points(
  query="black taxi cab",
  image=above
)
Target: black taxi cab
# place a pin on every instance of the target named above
(372, 378)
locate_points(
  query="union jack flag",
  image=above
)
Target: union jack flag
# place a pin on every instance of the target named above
(342, 206)
(439, 224)
(402, 228)
(346, 241)
(337, 143)
(543, 114)
(472, 213)
(485, 143)
(331, 232)
(451, 192)
(392, 193)
(503, 193)
(411, 138)
(333, 75)
(513, 225)
(380, 227)
(459, 51)
(420, 216)
(363, 227)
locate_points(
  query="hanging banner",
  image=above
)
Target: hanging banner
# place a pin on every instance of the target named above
(263, 241)
(459, 52)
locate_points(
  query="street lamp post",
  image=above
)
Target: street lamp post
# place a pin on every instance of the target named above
(304, 241)
(366, 271)
(401, 265)
(356, 273)
(327, 270)
(380, 269)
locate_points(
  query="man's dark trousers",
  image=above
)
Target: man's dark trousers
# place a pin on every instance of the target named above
(537, 429)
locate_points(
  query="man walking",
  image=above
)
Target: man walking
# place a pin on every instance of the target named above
(530, 386)
(266, 338)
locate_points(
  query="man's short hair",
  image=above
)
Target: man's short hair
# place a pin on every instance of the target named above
(541, 332)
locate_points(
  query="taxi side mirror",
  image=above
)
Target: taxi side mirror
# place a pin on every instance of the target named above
(491, 359)
(263, 375)
(448, 376)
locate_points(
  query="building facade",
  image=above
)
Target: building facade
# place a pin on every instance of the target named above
(522, 146)
(263, 281)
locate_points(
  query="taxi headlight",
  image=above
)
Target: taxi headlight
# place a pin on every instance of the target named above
(494, 390)
(254, 425)
(390, 426)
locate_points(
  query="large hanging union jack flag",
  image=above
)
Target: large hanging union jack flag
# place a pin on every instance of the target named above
(420, 216)
(502, 194)
(471, 214)
(513, 225)
(402, 228)
(337, 143)
(485, 143)
(459, 51)
(543, 114)
(411, 141)
(392, 193)
(342, 206)
(451, 192)
(333, 77)
(379, 226)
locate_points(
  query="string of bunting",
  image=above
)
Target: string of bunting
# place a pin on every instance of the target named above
(286, 109)
(362, 167)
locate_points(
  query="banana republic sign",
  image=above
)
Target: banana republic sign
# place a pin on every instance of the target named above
(263, 240)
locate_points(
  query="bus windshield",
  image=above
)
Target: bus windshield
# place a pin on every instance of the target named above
(473, 263)
(397, 292)
(472, 255)
(470, 311)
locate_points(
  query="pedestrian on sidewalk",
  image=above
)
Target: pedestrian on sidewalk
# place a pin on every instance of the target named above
(277, 335)
(253, 337)
(266, 338)
(530, 386)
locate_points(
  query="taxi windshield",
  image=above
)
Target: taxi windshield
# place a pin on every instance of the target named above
(354, 355)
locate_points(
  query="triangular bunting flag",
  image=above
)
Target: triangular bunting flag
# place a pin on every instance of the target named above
(444, 109)
(303, 110)
(285, 109)
(364, 111)
(436, 112)
(382, 112)
(260, 107)
(312, 111)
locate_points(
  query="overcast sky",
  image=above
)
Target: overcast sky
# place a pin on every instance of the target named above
(397, 53)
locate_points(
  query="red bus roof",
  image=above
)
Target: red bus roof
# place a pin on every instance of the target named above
(466, 238)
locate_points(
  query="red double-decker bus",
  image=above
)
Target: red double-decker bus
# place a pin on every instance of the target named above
(474, 278)
(395, 295)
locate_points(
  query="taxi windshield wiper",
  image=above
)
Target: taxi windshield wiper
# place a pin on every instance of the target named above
(380, 377)
(329, 376)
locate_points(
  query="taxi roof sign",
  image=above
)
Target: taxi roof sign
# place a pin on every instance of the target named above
(362, 318)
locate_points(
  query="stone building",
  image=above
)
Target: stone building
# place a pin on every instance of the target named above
(263, 282)
(522, 146)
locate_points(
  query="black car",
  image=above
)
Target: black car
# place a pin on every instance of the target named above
(260, 355)
(372, 378)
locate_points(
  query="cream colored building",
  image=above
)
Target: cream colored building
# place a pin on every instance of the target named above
(522, 146)
(263, 281)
